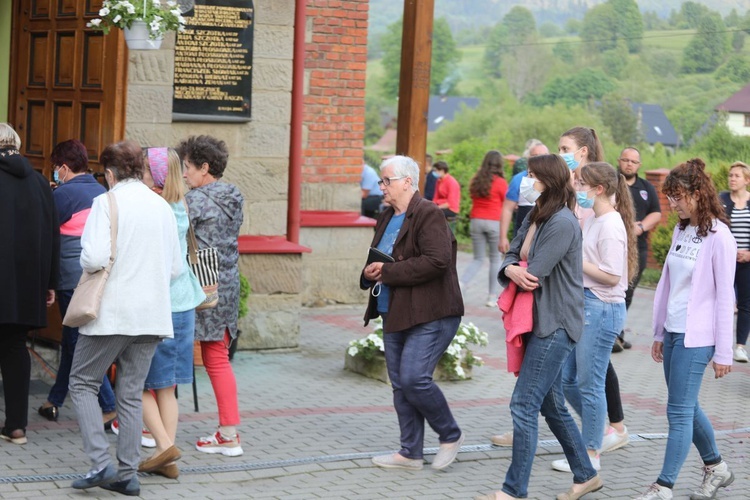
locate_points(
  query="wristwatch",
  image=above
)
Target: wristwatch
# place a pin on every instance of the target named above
(641, 226)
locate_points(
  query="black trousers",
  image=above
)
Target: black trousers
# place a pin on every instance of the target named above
(642, 257)
(15, 366)
(612, 391)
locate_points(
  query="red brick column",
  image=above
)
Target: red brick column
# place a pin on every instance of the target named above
(335, 63)
(656, 178)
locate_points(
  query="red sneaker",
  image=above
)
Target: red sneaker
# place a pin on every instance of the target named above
(220, 444)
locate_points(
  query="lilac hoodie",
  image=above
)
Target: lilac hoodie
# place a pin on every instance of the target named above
(710, 309)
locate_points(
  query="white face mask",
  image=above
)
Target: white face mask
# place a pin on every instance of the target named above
(527, 190)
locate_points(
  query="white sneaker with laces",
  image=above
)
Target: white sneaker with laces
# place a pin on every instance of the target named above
(740, 354)
(613, 440)
(656, 492)
(714, 477)
(562, 465)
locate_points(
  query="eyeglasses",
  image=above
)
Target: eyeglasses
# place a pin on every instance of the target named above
(674, 200)
(386, 181)
(627, 160)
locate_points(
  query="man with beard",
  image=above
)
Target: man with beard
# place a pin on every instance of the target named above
(647, 216)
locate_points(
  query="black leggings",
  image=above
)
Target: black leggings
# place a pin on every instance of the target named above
(15, 365)
(612, 390)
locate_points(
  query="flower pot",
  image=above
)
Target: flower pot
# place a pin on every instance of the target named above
(137, 37)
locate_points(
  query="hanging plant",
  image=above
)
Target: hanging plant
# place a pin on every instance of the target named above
(123, 14)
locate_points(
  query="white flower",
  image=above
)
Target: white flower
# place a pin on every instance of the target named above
(460, 371)
(94, 23)
(461, 339)
(103, 11)
(116, 19)
(353, 351)
(175, 12)
(170, 3)
(154, 26)
(157, 4)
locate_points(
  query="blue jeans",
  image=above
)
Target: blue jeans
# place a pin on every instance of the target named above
(539, 389)
(411, 357)
(59, 390)
(585, 372)
(683, 370)
(484, 233)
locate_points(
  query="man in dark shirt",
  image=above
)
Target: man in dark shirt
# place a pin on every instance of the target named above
(430, 180)
(647, 216)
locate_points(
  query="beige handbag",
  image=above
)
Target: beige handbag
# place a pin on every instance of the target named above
(87, 297)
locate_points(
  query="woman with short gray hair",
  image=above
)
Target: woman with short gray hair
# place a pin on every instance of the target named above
(417, 296)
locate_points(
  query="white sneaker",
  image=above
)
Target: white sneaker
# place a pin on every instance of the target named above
(562, 465)
(147, 440)
(714, 477)
(740, 354)
(613, 440)
(656, 492)
(491, 300)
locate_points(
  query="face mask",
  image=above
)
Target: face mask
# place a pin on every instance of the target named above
(570, 160)
(56, 177)
(527, 190)
(582, 197)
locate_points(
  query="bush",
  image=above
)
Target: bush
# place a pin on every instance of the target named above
(650, 277)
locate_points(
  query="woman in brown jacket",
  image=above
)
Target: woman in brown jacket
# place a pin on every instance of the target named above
(420, 302)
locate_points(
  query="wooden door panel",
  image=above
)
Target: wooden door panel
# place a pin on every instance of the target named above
(93, 7)
(66, 8)
(33, 139)
(38, 55)
(93, 60)
(91, 128)
(40, 9)
(65, 59)
(63, 121)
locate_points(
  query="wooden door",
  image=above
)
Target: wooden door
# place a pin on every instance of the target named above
(67, 81)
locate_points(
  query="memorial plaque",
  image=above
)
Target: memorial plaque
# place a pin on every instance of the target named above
(213, 62)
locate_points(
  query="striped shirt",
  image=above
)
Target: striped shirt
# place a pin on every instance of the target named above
(741, 227)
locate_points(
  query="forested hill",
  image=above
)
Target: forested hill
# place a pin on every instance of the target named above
(471, 14)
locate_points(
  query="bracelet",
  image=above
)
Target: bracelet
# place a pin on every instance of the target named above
(641, 226)
(505, 271)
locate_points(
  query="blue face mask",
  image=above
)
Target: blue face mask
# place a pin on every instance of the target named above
(583, 200)
(56, 177)
(570, 160)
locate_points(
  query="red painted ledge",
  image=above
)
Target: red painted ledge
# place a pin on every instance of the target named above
(269, 244)
(329, 218)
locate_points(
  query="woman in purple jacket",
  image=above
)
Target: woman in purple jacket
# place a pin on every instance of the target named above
(693, 324)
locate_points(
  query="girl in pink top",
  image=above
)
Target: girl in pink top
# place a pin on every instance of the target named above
(693, 324)
(610, 260)
(487, 189)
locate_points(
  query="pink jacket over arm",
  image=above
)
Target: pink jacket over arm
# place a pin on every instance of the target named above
(518, 319)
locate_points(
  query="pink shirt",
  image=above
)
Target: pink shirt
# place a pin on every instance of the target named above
(605, 243)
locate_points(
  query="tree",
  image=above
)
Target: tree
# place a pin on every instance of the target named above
(564, 52)
(599, 30)
(693, 12)
(617, 115)
(708, 48)
(736, 69)
(576, 89)
(526, 69)
(573, 26)
(516, 28)
(615, 61)
(549, 29)
(445, 56)
(732, 20)
(738, 41)
(630, 24)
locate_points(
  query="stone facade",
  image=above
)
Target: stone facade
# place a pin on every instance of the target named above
(259, 150)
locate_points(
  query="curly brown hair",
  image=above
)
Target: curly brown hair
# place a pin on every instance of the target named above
(690, 179)
(124, 159)
(481, 183)
(200, 149)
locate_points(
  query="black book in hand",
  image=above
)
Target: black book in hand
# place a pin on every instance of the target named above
(375, 255)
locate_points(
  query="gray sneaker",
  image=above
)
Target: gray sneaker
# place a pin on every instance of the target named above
(447, 453)
(398, 461)
(714, 477)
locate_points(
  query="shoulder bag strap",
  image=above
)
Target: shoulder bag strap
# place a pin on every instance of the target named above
(191, 243)
(113, 221)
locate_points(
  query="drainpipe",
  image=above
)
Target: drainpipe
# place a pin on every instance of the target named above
(295, 146)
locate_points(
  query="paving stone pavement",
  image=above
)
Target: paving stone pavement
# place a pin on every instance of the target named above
(310, 428)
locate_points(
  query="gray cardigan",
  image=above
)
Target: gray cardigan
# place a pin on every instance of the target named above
(556, 258)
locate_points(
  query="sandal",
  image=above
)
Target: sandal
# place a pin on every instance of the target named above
(49, 412)
(17, 436)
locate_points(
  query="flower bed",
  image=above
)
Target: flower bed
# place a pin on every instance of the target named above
(366, 355)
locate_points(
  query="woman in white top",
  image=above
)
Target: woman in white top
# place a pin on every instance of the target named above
(135, 313)
(610, 260)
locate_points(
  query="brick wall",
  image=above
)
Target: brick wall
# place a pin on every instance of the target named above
(656, 178)
(334, 118)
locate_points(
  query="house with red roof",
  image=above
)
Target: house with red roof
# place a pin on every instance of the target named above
(737, 108)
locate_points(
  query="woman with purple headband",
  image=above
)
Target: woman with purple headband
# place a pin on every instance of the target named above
(172, 363)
